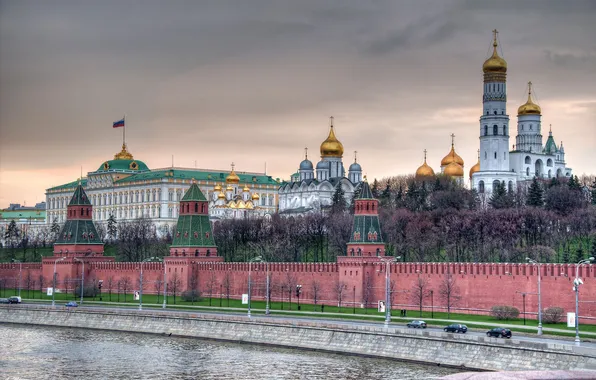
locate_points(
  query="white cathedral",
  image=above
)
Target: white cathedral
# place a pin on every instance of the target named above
(305, 193)
(529, 157)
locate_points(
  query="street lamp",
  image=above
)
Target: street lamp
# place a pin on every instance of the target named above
(387, 297)
(20, 273)
(82, 277)
(165, 284)
(141, 280)
(524, 303)
(54, 281)
(354, 298)
(298, 291)
(253, 260)
(432, 306)
(576, 283)
(539, 298)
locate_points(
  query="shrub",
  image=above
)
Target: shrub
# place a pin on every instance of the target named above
(552, 314)
(191, 296)
(504, 312)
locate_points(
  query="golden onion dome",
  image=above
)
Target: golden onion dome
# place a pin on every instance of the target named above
(529, 107)
(495, 64)
(256, 197)
(452, 157)
(454, 170)
(217, 187)
(232, 177)
(229, 188)
(221, 196)
(331, 147)
(245, 189)
(424, 170)
(123, 154)
(475, 168)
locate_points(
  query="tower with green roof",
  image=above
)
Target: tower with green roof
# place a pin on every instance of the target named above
(193, 237)
(366, 241)
(78, 237)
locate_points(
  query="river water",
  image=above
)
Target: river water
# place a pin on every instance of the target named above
(31, 352)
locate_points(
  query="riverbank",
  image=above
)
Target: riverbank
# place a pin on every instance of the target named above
(438, 348)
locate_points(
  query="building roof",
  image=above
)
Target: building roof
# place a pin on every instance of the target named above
(70, 185)
(363, 225)
(123, 166)
(199, 175)
(79, 198)
(78, 232)
(22, 214)
(194, 194)
(365, 192)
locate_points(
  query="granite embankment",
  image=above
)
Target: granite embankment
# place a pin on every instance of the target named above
(431, 347)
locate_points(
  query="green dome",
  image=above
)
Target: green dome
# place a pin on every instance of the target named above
(123, 165)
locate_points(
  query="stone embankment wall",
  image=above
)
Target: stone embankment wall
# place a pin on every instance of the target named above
(465, 351)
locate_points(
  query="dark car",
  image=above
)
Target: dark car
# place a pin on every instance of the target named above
(71, 304)
(499, 332)
(14, 299)
(4, 300)
(456, 328)
(417, 324)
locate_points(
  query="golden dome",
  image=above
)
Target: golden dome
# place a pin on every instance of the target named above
(217, 187)
(232, 177)
(495, 64)
(123, 155)
(221, 196)
(454, 170)
(256, 197)
(229, 188)
(424, 170)
(332, 147)
(529, 108)
(452, 156)
(475, 168)
(246, 189)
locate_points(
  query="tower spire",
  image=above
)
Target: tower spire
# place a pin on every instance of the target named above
(424, 155)
(355, 156)
(495, 44)
(331, 121)
(306, 153)
(452, 140)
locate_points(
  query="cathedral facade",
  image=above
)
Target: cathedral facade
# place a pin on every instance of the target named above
(310, 189)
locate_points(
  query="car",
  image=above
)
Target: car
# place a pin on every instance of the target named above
(417, 324)
(4, 300)
(71, 304)
(14, 299)
(456, 328)
(499, 332)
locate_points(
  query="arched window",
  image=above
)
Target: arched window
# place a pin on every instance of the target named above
(196, 207)
(208, 252)
(481, 187)
(378, 251)
(510, 186)
(504, 130)
(486, 130)
(549, 162)
(359, 252)
(196, 252)
(528, 160)
(496, 184)
(495, 130)
(495, 155)
(352, 252)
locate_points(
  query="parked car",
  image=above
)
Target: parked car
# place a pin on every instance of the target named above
(71, 304)
(4, 300)
(14, 299)
(417, 324)
(499, 332)
(456, 328)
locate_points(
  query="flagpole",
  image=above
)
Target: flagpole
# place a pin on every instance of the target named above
(124, 131)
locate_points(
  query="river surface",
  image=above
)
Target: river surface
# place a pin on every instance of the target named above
(32, 352)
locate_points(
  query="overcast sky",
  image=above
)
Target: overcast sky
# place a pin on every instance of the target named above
(254, 82)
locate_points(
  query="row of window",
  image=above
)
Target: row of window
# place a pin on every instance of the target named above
(495, 130)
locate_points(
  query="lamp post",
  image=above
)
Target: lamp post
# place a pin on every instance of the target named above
(255, 259)
(20, 273)
(82, 277)
(141, 281)
(165, 284)
(354, 311)
(524, 304)
(282, 297)
(387, 297)
(576, 283)
(298, 291)
(220, 294)
(54, 281)
(539, 295)
(432, 306)
(267, 311)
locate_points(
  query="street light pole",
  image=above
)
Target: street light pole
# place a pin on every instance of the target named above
(387, 297)
(249, 270)
(165, 284)
(141, 281)
(354, 298)
(539, 295)
(54, 281)
(267, 312)
(82, 277)
(576, 283)
(20, 274)
(432, 306)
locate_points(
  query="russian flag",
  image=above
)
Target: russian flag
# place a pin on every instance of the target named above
(119, 123)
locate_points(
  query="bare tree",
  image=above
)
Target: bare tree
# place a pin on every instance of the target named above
(29, 283)
(110, 282)
(367, 292)
(316, 291)
(449, 292)
(174, 285)
(66, 284)
(158, 285)
(211, 283)
(193, 283)
(339, 287)
(227, 285)
(125, 284)
(41, 281)
(420, 292)
(290, 283)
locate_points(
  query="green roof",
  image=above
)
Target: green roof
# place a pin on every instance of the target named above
(193, 231)
(194, 194)
(78, 232)
(365, 192)
(123, 165)
(363, 224)
(79, 198)
(199, 175)
(550, 146)
(22, 214)
(70, 185)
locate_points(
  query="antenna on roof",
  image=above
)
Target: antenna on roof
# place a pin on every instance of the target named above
(265, 167)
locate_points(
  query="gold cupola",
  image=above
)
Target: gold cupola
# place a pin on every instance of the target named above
(221, 196)
(123, 154)
(246, 189)
(424, 170)
(332, 147)
(232, 178)
(475, 168)
(452, 156)
(454, 170)
(256, 197)
(217, 188)
(529, 107)
(495, 64)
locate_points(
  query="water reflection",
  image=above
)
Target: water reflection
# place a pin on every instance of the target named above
(67, 353)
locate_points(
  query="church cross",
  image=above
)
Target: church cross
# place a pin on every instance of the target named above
(424, 155)
(233, 166)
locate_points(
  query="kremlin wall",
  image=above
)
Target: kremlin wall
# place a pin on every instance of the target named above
(360, 274)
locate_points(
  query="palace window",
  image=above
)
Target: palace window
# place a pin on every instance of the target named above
(495, 130)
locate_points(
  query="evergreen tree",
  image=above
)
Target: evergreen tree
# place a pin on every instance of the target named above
(55, 229)
(574, 183)
(399, 198)
(500, 197)
(375, 188)
(535, 194)
(355, 196)
(339, 200)
(554, 182)
(593, 192)
(11, 235)
(112, 229)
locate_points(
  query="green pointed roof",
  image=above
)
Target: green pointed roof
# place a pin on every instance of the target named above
(365, 192)
(78, 232)
(79, 198)
(194, 194)
(550, 146)
(366, 230)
